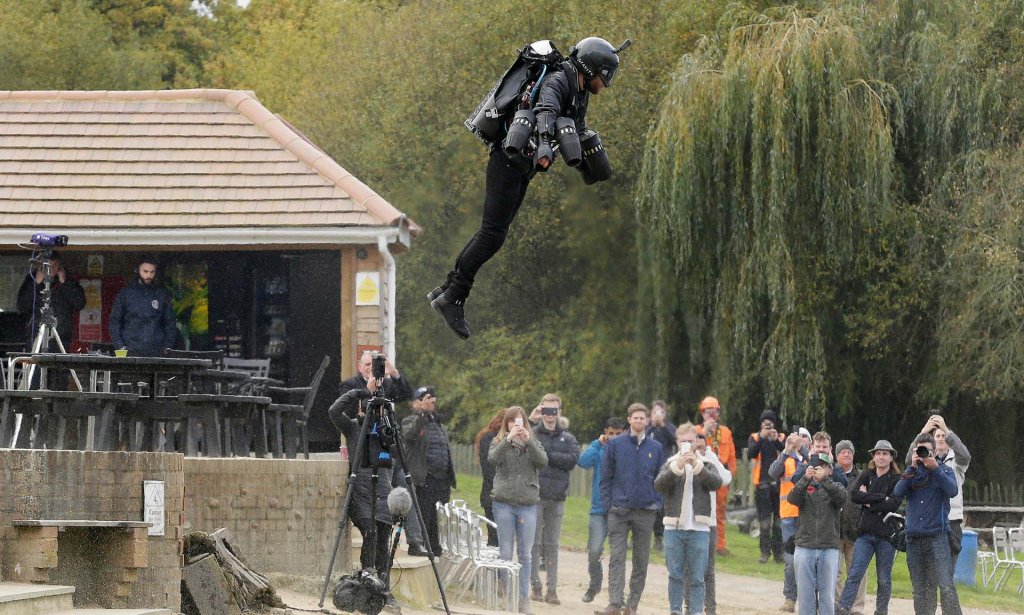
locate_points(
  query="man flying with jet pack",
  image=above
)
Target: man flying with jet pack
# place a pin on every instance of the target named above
(536, 112)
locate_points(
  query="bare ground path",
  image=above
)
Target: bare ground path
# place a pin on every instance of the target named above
(736, 595)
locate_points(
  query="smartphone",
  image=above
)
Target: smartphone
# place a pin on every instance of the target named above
(684, 447)
(519, 421)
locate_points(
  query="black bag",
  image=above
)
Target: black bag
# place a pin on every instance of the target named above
(898, 536)
(790, 545)
(525, 75)
(361, 592)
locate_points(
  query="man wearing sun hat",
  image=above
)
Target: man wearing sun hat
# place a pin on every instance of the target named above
(719, 439)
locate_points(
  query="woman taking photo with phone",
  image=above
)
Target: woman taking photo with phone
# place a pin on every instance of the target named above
(517, 457)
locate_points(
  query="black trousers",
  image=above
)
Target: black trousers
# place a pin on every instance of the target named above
(428, 495)
(766, 497)
(374, 558)
(507, 180)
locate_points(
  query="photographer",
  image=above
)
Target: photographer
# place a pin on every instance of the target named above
(764, 447)
(371, 518)
(67, 298)
(564, 93)
(563, 451)
(949, 450)
(430, 461)
(396, 388)
(928, 485)
(517, 459)
(816, 558)
(688, 486)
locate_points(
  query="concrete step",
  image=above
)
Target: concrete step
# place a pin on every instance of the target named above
(116, 612)
(29, 599)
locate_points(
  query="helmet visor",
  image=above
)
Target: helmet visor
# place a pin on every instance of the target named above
(607, 73)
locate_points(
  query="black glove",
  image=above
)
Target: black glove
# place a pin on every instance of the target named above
(544, 151)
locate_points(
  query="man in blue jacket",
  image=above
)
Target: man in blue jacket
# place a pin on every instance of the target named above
(142, 318)
(598, 528)
(927, 485)
(628, 468)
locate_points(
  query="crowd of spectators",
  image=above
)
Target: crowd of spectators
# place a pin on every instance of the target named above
(658, 486)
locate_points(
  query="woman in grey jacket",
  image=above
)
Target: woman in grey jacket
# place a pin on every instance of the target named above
(517, 457)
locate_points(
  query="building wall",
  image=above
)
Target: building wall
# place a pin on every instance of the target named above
(102, 486)
(281, 513)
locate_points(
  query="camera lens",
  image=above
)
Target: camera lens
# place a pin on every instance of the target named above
(923, 452)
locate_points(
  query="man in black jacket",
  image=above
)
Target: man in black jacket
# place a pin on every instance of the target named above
(872, 491)
(430, 460)
(142, 317)
(563, 451)
(67, 298)
(565, 92)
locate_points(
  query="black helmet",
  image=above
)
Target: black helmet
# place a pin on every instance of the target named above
(596, 57)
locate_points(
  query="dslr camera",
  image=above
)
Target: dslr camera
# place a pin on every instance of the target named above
(378, 366)
(923, 452)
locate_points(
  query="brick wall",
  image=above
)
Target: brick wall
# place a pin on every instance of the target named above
(101, 486)
(281, 513)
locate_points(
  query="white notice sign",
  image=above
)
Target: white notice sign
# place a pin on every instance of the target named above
(153, 506)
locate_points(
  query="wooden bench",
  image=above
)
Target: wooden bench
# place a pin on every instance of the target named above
(49, 412)
(90, 549)
(235, 419)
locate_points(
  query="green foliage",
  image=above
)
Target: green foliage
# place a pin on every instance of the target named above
(770, 162)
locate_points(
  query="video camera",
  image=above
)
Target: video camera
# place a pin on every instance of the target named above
(46, 240)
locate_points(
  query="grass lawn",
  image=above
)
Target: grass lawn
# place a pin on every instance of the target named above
(745, 552)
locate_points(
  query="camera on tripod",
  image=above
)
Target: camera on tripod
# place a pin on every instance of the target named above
(46, 240)
(378, 368)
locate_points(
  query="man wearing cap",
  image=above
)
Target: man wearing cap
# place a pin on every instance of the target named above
(848, 525)
(429, 459)
(719, 439)
(563, 451)
(816, 558)
(872, 491)
(765, 445)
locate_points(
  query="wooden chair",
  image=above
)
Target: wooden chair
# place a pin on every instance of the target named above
(289, 417)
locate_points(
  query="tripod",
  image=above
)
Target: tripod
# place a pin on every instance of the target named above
(380, 413)
(47, 331)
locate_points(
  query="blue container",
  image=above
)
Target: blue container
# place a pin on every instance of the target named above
(967, 561)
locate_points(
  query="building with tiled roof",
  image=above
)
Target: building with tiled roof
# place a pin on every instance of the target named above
(207, 180)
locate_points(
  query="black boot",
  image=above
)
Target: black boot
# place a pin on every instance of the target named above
(453, 314)
(437, 292)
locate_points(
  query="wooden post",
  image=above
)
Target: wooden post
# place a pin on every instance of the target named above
(346, 365)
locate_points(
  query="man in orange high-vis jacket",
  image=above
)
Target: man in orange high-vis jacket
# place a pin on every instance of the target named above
(719, 439)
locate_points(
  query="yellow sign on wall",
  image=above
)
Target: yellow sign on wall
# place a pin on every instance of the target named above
(368, 288)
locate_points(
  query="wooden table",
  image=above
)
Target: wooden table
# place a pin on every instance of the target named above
(149, 367)
(149, 406)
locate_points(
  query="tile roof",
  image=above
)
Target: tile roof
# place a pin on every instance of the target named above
(78, 160)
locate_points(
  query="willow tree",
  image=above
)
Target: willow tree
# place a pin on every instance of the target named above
(767, 170)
